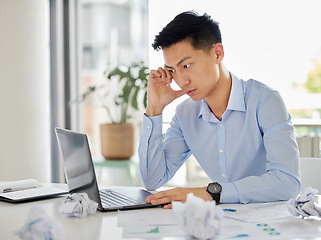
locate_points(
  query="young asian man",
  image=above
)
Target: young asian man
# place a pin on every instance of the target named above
(239, 131)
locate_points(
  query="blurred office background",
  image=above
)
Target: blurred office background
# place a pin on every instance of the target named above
(52, 50)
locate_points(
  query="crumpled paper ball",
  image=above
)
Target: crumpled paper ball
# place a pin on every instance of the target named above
(78, 205)
(305, 204)
(198, 218)
(38, 226)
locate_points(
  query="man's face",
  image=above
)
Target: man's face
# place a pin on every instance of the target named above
(195, 71)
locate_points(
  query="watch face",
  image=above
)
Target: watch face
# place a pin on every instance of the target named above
(214, 188)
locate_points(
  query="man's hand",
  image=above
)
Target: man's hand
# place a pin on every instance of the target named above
(177, 194)
(159, 91)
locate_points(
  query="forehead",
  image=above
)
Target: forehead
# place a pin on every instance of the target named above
(178, 51)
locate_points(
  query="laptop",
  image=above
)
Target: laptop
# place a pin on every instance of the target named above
(81, 177)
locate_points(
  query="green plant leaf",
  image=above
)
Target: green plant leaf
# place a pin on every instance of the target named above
(126, 91)
(115, 72)
(142, 74)
(134, 98)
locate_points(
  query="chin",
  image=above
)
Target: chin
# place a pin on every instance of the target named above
(195, 98)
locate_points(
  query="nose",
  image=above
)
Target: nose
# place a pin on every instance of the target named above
(182, 80)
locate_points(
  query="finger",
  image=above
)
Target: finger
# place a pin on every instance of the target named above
(157, 195)
(149, 198)
(154, 196)
(166, 76)
(168, 206)
(169, 76)
(155, 73)
(159, 198)
(161, 201)
(162, 72)
(168, 199)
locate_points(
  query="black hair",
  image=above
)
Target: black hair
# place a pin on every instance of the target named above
(202, 31)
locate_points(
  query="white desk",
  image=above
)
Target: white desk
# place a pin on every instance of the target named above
(102, 225)
(98, 226)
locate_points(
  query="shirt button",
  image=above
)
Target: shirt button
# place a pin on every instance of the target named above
(224, 175)
(221, 125)
(148, 126)
(221, 150)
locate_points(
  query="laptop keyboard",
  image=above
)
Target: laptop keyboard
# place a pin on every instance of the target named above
(111, 198)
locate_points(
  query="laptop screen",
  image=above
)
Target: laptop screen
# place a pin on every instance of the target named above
(78, 165)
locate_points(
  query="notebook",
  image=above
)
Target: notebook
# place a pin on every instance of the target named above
(81, 178)
(27, 190)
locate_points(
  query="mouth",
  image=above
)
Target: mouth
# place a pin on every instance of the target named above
(190, 92)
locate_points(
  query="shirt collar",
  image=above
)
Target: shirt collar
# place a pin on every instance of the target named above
(205, 110)
(236, 100)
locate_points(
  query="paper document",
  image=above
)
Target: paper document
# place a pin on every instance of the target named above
(153, 231)
(153, 216)
(248, 221)
(254, 212)
(149, 223)
(287, 228)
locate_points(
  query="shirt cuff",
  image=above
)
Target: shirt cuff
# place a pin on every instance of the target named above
(152, 125)
(229, 193)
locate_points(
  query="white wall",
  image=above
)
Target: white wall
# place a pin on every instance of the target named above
(24, 90)
(271, 41)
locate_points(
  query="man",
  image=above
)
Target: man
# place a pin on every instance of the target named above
(239, 131)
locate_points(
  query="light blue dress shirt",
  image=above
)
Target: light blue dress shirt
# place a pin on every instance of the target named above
(251, 152)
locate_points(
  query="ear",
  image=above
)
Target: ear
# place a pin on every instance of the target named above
(218, 51)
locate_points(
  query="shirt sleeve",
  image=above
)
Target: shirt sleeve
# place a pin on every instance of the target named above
(282, 179)
(159, 160)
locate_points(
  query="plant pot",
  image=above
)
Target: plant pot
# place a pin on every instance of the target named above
(117, 140)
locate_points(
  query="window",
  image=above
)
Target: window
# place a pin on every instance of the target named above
(108, 32)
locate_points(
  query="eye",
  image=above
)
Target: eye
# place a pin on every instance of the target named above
(187, 65)
(171, 70)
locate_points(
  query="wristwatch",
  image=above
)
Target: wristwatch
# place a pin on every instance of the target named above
(215, 190)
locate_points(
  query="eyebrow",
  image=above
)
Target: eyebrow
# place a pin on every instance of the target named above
(180, 62)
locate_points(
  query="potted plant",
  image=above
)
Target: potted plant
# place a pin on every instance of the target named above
(123, 93)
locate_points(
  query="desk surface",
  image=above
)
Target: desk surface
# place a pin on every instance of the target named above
(102, 225)
(98, 226)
